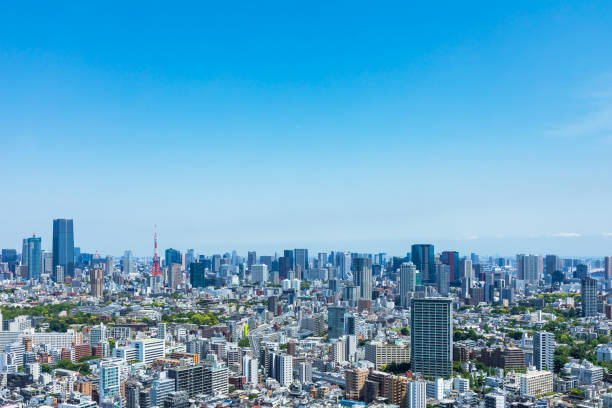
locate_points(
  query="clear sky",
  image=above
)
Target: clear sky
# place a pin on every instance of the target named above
(483, 126)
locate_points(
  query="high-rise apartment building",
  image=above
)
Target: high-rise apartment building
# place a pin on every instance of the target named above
(362, 276)
(423, 258)
(354, 381)
(529, 267)
(63, 245)
(543, 350)
(588, 292)
(416, 394)
(96, 281)
(431, 337)
(443, 279)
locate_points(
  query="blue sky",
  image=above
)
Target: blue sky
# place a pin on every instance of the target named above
(476, 126)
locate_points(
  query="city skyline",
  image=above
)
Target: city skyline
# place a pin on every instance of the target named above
(340, 126)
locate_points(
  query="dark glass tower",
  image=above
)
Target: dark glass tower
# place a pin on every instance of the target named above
(63, 246)
(423, 258)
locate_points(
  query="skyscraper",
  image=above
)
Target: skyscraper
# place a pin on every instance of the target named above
(96, 280)
(431, 337)
(288, 253)
(173, 256)
(543, 350)
(407, 282)
(608, 267)
(529, 267)
(362, 276)
(443, 279)
(63, 245)
(31, 257)
(588, 291)
(451, 258)
(10, 257)
(197, 274)
(551, 263)
(423, 258)
(251, 258)
(301, 258)
(128, 262)
(335, 322)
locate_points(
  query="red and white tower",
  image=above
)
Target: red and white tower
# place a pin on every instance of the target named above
(155, 271)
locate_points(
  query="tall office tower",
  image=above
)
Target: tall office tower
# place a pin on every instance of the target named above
(588, 291)
(174, 276)
(608, 267)
(197, 274)
(284, 266)
(466, 272)
(362, 276)
(474, 258)
(259, 273)
(423, 258)
(128, 262)
(321, 259)
(189, 257)
(431, 337)
(354, 381)
(288, 253)
(63, 245)
(495, 400)
(529, 267)
(543, 350)
(31, 256)
(443, 279)
(335, 321)
(251, 258)
(582, 271)
(173, 256)
(96, 280)
(343, 263)
(301, 258)
(451, 258)
(408, 277)
(10, 257)
(416, 394)
(47, 262)
(249, 370)
(266, 260)
(551, 264)
(110, 374)
(109, 265)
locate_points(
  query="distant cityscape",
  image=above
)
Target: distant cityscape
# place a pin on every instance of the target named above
(338, 328)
